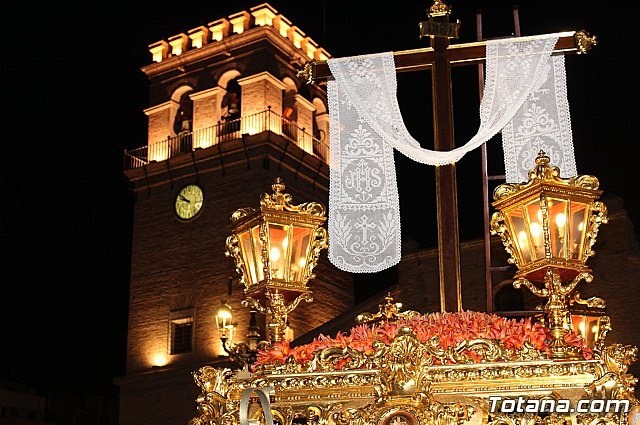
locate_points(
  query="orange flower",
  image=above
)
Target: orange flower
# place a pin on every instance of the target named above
(276, 355)
(449, 328)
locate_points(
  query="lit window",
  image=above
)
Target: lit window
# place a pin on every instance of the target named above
(181, 333)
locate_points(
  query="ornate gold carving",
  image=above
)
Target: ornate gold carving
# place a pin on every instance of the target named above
(212, 403)
(615, 383)
(405, 361)
(233, 249)
(438, 8)
(605, 328)
(592, 302)
(405, 411)
(388, 311)
(556, 309)
(597, 419)
(450, 413)
(320, 242)
(396, 383)
(212, 380)
(281, 201)
(277, 308)
(307, 72)
(584, 41)
(543, 172)
(241, 213)
(599, 217)
(499, 228)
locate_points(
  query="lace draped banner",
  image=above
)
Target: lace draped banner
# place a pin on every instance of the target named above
(542, 123)
(366, 125)
(364, 211)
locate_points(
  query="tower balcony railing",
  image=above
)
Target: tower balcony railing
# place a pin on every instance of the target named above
(225, 131)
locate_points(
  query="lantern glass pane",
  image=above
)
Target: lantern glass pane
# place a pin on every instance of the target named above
(557, 210)
(299, 251)
(578, 228)
(536, 230)
(247, 255)
(588, 327)
(521, 234)
(257, 249)
(278, 250)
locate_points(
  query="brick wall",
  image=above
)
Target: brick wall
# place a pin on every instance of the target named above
(160, 122)
(205, 111)
(260, 92)
(179, 264)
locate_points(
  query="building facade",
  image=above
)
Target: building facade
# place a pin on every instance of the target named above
(227, 116)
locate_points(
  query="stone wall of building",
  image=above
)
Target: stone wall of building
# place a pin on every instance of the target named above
(180, 265)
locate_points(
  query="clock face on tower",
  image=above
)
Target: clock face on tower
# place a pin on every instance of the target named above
(189, 202)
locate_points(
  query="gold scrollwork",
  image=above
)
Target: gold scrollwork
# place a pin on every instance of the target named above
(213, 406)
(599, 216)
(498, 227)
(319, 242)
(233, 250)
(306, 73)
(387, 311)
(584, 41)
(281, 201)
(615, 383)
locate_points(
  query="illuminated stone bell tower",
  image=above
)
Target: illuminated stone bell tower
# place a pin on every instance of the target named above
(227, 116)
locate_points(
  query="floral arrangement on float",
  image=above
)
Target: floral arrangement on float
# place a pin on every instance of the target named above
(446, 338)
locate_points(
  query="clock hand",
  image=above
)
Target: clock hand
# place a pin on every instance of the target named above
(184, 199)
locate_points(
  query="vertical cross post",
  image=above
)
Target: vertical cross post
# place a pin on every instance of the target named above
(439, 29)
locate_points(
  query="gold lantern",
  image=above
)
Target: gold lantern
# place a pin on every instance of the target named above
(548, 226)
(589, 319)
(276, 249)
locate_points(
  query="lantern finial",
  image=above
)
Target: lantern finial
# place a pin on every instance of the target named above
(278, 186)
(542, 169)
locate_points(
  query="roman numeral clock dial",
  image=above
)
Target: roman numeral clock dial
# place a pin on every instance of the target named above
(189, 202)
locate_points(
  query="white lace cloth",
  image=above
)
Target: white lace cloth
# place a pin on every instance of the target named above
(542, 123)
(366, 124)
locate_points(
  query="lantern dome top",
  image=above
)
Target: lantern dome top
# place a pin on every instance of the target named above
(544, 174)
(279, 200)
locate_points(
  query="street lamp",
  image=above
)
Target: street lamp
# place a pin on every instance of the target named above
(276, 248)
(224, 320)
(240, 352)
(548, 226)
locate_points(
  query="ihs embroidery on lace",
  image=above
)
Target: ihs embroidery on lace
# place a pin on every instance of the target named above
(366, 125)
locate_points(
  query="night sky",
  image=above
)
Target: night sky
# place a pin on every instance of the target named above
(74, 99)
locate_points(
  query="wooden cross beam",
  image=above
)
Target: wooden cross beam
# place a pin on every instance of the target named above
(439, 58)
(569, 42)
